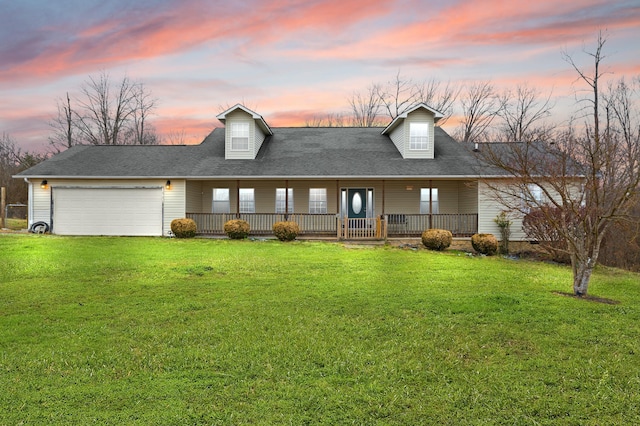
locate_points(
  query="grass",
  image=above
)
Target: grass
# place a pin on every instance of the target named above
(16, 224)
(158, 331)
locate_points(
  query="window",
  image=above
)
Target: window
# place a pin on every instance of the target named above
(429, 195)
(247, 200)
(281, 200)
(317, 200)
(532, 196)
(240, 136)
(418, 136)
(220, 200)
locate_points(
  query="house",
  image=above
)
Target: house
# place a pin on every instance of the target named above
(345, 182)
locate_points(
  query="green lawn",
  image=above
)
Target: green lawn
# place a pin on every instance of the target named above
(16, 224)
(158, 331)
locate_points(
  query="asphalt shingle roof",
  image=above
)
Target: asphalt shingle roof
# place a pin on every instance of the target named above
(289, 152)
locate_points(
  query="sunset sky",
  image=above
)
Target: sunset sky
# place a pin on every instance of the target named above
(291, 60)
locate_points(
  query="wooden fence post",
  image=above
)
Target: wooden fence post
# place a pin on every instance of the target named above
(3, 205)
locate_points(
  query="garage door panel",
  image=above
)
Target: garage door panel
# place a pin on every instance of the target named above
(107, 211)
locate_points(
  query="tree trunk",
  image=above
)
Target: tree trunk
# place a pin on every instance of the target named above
(582, 271)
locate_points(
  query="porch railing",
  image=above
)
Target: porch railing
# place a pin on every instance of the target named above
(393, 224)
(460, 225)
(262, 223)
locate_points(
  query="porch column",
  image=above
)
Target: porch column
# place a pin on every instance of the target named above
(286, 199)
(338, 196)
(430, 204)
(382, 197)
(237, 199)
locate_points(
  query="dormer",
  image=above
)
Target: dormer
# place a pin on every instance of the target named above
(412, 132)
(245, 131)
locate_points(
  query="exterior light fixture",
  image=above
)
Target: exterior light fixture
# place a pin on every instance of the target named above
(409, 188)
(168, 184)
(43, 184)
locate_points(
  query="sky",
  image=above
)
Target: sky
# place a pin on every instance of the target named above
(293, 60)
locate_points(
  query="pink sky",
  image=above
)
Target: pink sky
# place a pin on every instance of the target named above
(291, 60)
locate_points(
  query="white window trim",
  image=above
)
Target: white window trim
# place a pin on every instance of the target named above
(424, 203)
(283, 209)
(313, 203)
(247, 205)
(220, 201)
(425, 136)
(234, 134)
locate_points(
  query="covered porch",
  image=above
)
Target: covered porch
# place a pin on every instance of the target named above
(343, 209)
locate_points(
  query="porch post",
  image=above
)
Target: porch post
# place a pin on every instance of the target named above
(337, 196)
(382, 197)
(430, 204)
(238, 199)
(286, 199)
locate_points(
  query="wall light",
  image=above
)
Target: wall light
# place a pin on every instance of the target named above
(168, 184)
(43, 184)
(409, 188)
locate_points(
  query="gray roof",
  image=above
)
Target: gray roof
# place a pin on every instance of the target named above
(337, 152)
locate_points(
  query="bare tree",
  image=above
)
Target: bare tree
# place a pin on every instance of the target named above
(64, 130)
(480, 106)
(521, 113)
(176, 137)
(439, 96)
(583, 182)
(365, 107)
(329, 120)
(13, 160)
(107, 114)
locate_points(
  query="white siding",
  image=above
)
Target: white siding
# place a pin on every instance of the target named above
(259, 137)
(398, 138)
(467, 197)
(41, 207)
(488, 209)
(239, 116)
(419, 116)
(193, 197)
(174, 203)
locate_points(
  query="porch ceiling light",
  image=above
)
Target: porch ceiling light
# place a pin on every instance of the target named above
(43, 184)
(168, 184)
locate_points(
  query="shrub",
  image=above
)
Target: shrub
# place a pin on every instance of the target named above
(236, 229)
(504, 223)
(485, 244)
(286, 231)
(183, 228)
(538, 227)
(436, 239)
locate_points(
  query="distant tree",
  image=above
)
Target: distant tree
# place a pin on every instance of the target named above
(521, 114)
(365, 107)
(329, 120)
(480, 106)
(63, 126)
(104, 114)
(12, 161)
(580, 183)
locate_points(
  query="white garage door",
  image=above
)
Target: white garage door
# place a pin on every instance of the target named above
(107, 211)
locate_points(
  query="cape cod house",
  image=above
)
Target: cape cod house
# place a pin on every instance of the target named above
(344, 182)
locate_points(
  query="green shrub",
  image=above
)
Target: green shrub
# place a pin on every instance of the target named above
(286, 231)
(485, 244)
(236, 229)
(436, 239)
(183, 228)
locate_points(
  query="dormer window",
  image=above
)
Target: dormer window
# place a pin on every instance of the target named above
(418, 136)
(240, 136)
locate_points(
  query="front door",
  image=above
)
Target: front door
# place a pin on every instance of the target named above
(357, 201)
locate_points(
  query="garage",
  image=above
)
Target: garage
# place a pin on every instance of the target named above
(107, 211)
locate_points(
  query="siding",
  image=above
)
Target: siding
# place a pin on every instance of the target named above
(239, 116)
(259, 138)
(398, 139)
(467, 197)
(488, 209)
(419, 116)
(193, 197)
(173, 199)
